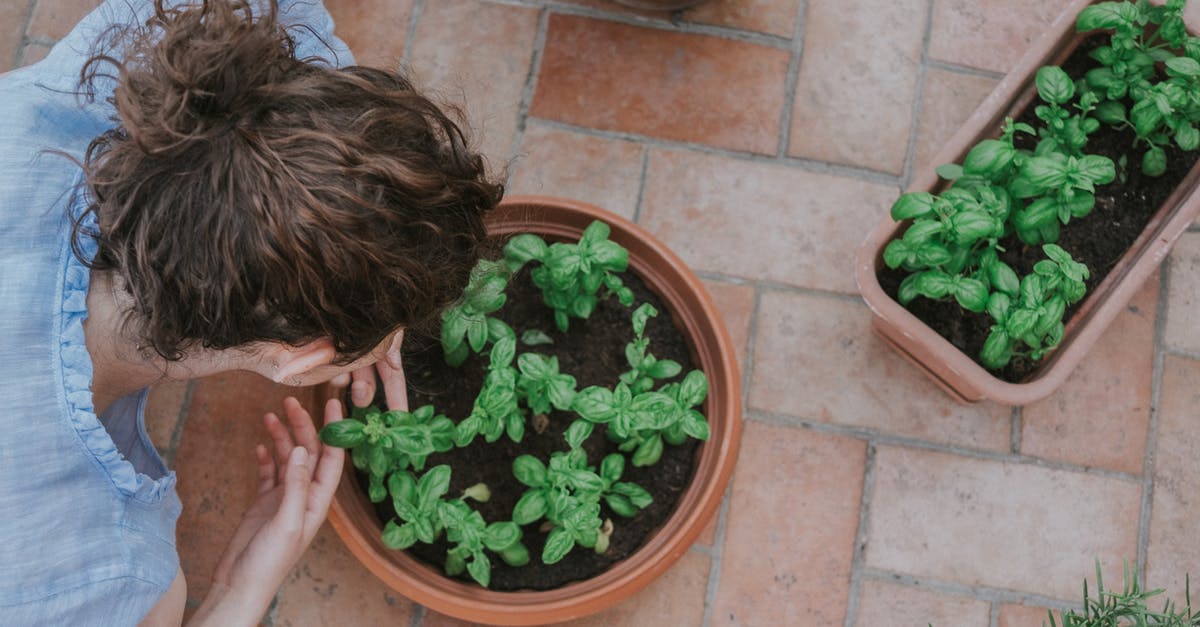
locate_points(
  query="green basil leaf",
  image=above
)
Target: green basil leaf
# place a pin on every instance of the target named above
(456, 357)
(971, 226)
(612, 467)
(922, 231)
(913, 205)
(595, 404)
(579, 431)
(535, 366)
(597, 231)
(477, 333)
(933, 284)
(530, 471)
(1046, 172)
(1051, 315)
(523, 248)
(620, 505)
(1154, 162)
(1107, 15)
(376, 492)
(402, 486)
(695, 425)
(896, 254)
(503, 352)
(1003, 278)
(635, 493)
(610, 256)
(514, 426)
(454, 328)
(908, 289)
(583, 306)
(398, 537)
(343, 434)
(1038, 213)
(515, 555)
(1053, 85)
(640, 316)
(501, 535)
(455, 565)
(1020, 322)
(648, 452)
(480, 568)
(664, 369)
(990, 158)
(530, 508)
(1187, 137)
(693, 389)
(971, 294)
(1098, 169)
(997, 349)
(999, 304)
(949, 171)
(1145, 117)
(562, 391)
(558, 544)
(1183, 66)
(433, 485)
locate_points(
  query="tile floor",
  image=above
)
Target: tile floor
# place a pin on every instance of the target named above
(760, 138)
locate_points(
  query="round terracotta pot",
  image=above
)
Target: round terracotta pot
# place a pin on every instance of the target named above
(692, 310)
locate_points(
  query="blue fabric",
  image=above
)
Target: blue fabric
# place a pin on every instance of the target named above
(87, 507)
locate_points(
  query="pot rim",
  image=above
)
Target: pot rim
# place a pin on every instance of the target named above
(952, 369)
(692, 309)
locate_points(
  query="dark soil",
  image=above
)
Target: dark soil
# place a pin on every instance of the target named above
(1098, 240)
(593, 351)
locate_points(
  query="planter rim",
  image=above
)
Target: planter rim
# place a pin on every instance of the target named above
(692, 309)
(952, 369)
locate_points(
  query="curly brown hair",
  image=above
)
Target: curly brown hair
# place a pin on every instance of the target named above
(247, 195)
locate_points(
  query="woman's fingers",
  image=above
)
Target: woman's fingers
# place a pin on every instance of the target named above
(266, 468)
(279, 435)
(362, 386)
(303, 431)
(290, 519)
(395, 390)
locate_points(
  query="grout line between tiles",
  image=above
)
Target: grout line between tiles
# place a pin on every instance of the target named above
(272, 614)
(669, 24)
(1195, 228)
(854, 594)
(918, 104)
(637, 207)
(1147, 505)
(979, 592)
(1180, 352)
(809, 165)
(793, 75)
(994, 614)
(177, 432)
(1018, 419)
(411, 33)
(957, 68)
(535, 64)
(879, 438)
(717, 554)
(418, 615)
(23, 40)
(44, 41)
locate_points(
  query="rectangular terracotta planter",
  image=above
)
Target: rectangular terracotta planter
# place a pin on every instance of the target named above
(956, 372)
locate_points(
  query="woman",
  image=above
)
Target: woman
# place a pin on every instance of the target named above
(230, 196)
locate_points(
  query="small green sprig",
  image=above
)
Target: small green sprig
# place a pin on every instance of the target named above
(496, 410)
(386, 442)
(571, 275)
(467, 326)
(1128, 607)
(425, 514)
(645, 367)
(542, 386)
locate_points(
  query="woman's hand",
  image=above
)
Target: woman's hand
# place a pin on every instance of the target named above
(293, 497)
(391, 374)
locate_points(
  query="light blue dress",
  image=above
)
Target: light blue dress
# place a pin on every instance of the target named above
(87, 506)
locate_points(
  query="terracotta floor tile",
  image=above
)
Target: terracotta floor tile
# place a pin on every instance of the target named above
(884, 603)
(329, 586)
(817, 358)
(677, 86)
(164, 410)
(34, 53)
(12, 24)
(216, 466)
(1101, 415)
(434, 619)
(858, 80)
(792, 522)
(1176, 506)
(1183, 300)
(988, 35)
(374, 29)
(604, 172)
(53, 19)
(760, 220)
(774, 17)
(675, 598)
(477, 55)
(736, 304)
(948, 100)
(1012, 526)
(1024, 616)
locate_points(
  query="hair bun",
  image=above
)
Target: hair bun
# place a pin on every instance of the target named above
(195, 72)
